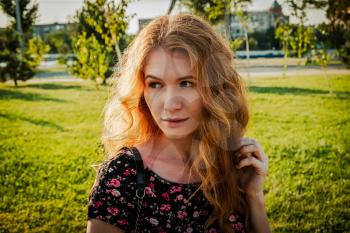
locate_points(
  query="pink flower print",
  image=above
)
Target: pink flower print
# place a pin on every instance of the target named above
(238, 226)
(179, 197)
(165, 196)
(196, 214)
(98, 203)
(149, 192)
(129, 171)
(113, 183)
(232, 218)
(113, 210)
(175, 189)
(212, 230)
(165, 207)
(151, 185)
(160, 230)
(181, 214)
(114, 192)
(122, 221)
(153, 221)
(168, 225)
(189, 230)
(151, 178)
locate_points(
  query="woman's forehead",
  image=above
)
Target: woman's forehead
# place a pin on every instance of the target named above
(162, 62)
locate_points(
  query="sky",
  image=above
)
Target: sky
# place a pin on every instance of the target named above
(62, 11)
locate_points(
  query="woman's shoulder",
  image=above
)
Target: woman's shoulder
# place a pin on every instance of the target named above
(122, 166)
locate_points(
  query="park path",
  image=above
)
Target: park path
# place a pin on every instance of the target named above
(258, 68)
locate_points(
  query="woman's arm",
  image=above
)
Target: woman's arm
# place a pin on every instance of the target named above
(253, 168)
(257, 214)
(98, 226)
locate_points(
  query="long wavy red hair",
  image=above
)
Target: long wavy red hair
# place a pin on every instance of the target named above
(128, 121)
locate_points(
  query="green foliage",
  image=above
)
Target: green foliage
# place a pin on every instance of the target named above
(92, 58)
(59, 41)
(301, 36)
(338, 27)
(344, 51)
(104, 24)
(35, 51)
(28, 13)
(103, 19)
(17, 64)
(265, 40)
(212, 10)
(236, 44)
(283, 33)
(50, 138)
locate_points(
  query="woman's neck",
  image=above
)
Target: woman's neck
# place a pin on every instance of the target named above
(174, 150)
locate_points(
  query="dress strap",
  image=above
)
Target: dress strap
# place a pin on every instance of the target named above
(141, 184)
(140, 171)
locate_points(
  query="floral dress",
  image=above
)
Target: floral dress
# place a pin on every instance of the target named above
(164, 208)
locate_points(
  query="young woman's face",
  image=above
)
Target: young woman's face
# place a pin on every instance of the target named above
(170, 93)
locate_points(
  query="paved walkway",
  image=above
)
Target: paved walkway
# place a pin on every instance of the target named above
(258, 68)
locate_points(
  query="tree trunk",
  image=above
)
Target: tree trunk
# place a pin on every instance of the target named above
(117, 50)
(247, 54)
(104, 82)
(326, 77)
(171, 7)
(15, 81)
(284, 71)
(228, 25)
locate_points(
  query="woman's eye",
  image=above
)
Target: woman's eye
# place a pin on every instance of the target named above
(190, 84)
(152, 84)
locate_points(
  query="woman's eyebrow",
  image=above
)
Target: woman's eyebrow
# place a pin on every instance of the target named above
(181, 78)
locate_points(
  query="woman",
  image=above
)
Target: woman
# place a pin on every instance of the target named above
(178, 101)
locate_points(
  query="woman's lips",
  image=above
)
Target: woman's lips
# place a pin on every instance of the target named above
(175, 123)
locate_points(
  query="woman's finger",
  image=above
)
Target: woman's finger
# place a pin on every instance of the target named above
(255, 150)
(248, 141)
(261, 168)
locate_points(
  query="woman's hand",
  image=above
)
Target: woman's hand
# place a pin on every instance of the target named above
(253, 167)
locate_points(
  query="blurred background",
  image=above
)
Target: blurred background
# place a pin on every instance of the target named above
(56, 58)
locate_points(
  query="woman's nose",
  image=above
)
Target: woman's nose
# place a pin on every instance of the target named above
(172, 101)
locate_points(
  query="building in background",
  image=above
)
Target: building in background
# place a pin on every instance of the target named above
(41, 30)
(258, 21)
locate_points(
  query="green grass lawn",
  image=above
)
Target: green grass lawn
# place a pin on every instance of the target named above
(50, 137)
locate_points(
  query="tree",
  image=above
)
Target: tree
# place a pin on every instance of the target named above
(94, 57)
(212, 10)
(240, 10)
(216, 11)
(61, 41)
(319, 52)
(265, 40)
(171, 7)
(19, 62)
(103, 21)
(338, 15)
(301, 41)
(28, 13)
(283, 33)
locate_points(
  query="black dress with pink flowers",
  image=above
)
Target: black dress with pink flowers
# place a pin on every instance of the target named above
(164, 208)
